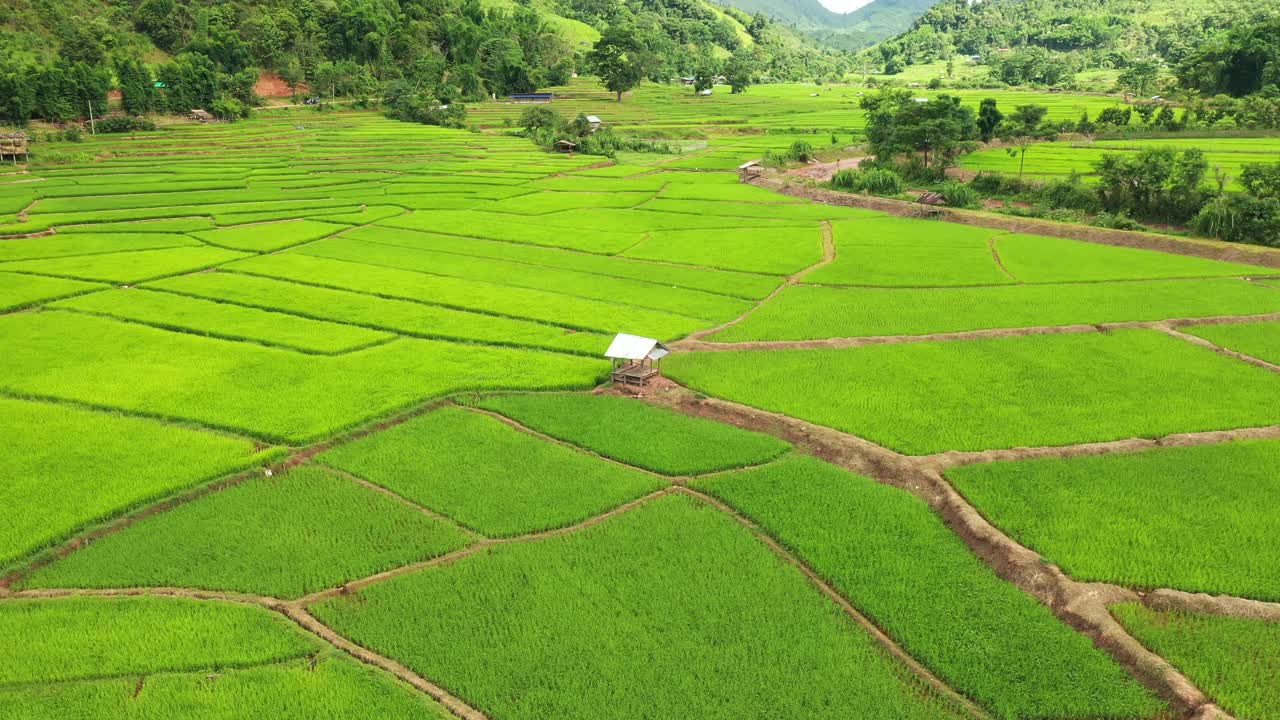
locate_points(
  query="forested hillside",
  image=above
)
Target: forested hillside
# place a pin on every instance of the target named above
(865, 26)
(57, 57)
(1048, 41)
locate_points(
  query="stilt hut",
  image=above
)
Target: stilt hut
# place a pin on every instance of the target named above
(565, 146)
(14, 144)
(635, 359)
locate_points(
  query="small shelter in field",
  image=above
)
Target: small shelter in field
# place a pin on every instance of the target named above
(202, 116)
(594, 122)
(750, 169)
(635, 359)
(565, 146)
(14, 144)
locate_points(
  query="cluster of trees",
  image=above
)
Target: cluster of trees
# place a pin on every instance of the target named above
(424, 54)
(545, 127)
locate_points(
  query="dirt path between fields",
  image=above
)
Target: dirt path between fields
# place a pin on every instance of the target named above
(1165, 599)
(1204, 343)
(1212, 249)
(824, 171)
(690, 344)
(1081, 605)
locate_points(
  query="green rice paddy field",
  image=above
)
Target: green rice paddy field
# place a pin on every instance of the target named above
(308, 417)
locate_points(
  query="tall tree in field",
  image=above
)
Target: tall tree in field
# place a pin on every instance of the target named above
(1024, 128)
(619, 59)
(740, 70)
(705, 71)
(1140, 77)
(989, 119)
(898, 123)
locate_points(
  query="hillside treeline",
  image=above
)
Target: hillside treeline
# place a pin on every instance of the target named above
(57, 57)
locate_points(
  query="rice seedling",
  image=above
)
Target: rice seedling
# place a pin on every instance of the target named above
(638, 434)
(1234, 660)
(88, 244)
(115, 463)
(222, 320)
(671, 610)
(329, 686)
(19, 291)
(76, 638)
(897, 562)
(775, 251)
(922, 398)
(806, 313)
(1260, 340)
(379, 313)
(271, 393)
(487, 475)
(126, 267)
(1039, 259)
(266, 237)
(1138, 519)
(252, 538)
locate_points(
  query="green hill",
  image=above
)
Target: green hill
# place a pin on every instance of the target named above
(1049, 41)
(865, 26)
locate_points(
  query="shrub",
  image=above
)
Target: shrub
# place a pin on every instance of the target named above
(959, 195)
(988, 183)
(1117, 221)
(1068, 193)
(801, 151)
(876, 181)
(1241, 218)
(123, 124)
(228, 108)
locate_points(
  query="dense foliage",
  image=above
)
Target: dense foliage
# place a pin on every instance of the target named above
(423, 55)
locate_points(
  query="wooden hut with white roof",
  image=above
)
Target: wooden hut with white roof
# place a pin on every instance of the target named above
(635, 359)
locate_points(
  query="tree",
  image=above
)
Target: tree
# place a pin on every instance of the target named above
(1024, 128)
(1157, 183)
(705, 71)
(137, 89)
(619, 59)
(740, 70)
(898, 124)
(989, 119)
(1261, 180)
(1140, 77)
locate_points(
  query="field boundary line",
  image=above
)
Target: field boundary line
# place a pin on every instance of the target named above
(1211, 604)
(691, 345)
(358, 584)
(142, 676)
(1211, 249)
(956, 458)
(1082, 606)
(828, 256)
(887, 644)
(471, 532)
(995, 255)
(1210, 345)
(311, 624)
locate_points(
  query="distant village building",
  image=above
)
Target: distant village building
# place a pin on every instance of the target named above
(635, 359)
(14, 144)
(533, 97)
(595, 122)
(688, 81)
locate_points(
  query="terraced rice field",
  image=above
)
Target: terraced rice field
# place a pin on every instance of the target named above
(319, 425)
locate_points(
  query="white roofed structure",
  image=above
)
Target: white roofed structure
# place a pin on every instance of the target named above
(635, 358)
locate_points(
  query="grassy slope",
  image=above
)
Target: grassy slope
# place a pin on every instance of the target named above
(253, 538)
(671, 610)
(1196, 518)
(892, 557)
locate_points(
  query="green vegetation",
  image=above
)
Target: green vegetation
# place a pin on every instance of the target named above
(331, 686)
(232, 322)
(923, 398)
(252, 538)
(803, 313)
(488, 476)
(84, 638)
(638, 434)
(777, 251)
(128, 267)
(1261, 340)
(670, 610)
(115, 463)
(1205, 647)
(1138, 519)
(266, 391)
(269, 236)
(18, 291)
(898, 563)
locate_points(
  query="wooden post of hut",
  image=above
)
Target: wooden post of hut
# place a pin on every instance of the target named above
(635, 359)
(14, 144)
